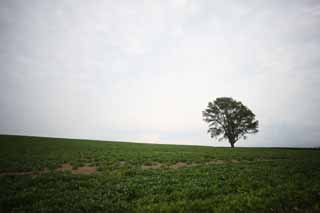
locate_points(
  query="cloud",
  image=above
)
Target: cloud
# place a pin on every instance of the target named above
(144, 71)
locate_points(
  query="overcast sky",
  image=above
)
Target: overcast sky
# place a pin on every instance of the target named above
(145, 70)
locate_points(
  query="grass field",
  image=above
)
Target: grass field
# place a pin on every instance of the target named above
(63, 175)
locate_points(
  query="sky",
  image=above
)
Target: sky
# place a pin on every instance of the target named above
(144, 71)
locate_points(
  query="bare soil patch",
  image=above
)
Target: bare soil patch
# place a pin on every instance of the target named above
(216, 162)
(79, 170)
(157, 165)
(152, 166)
(179, 165)
(85, 170)
(64, 167)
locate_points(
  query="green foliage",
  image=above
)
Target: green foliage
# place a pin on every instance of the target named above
(230, 120)
(245, 180)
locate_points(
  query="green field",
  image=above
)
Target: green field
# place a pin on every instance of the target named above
(63, 175)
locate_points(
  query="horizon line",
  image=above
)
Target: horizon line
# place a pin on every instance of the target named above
(155, 143)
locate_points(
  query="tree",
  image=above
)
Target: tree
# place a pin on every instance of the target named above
(229, 119)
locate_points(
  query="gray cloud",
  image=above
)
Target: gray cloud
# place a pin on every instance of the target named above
(144, 70)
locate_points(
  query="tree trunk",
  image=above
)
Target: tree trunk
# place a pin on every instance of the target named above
(231, 141)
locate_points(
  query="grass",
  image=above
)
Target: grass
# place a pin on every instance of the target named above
(133, 177)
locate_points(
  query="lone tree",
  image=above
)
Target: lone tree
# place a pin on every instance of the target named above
(229, 119)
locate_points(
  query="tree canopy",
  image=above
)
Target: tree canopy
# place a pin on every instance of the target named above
(229, 119)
